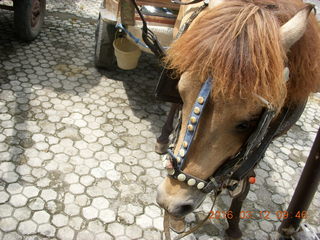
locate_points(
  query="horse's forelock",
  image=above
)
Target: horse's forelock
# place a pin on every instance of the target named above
(237, 43)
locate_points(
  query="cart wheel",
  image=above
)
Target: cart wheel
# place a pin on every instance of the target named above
(104, 51)
(28, 17)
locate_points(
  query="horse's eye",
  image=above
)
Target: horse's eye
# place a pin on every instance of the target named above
(244, 126)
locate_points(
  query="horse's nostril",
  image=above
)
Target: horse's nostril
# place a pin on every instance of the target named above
(184, 209)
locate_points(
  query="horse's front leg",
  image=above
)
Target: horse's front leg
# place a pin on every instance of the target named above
(163, 140)
(234, 231)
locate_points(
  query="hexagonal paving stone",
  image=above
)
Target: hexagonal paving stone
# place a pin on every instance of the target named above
(77, 188)
(76, 223)
(47, 230)
(10, 177)
(5, 210)
(90, 212)
(104, 236)
(22, 213)
(116, 229)
(40, 217)
(30, 191)
(71, 178)
(133, 232)
(107, 215)
(144, 221)
(36, 204)
(60, 220)
(14, 188)
(4, 197)
(100, 203)
(96, 227)
(85, 235)
(65, 233)
(8, 224)
(152, 211)
(27, 227)
(12, 236)
(72, 209)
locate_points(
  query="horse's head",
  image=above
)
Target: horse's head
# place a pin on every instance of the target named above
(241, 45)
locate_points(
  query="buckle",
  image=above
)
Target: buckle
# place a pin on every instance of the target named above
(236, 188)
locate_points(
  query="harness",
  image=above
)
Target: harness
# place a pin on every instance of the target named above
(235, 168)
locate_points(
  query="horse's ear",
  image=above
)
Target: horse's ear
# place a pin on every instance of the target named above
(294, 29)
(213, 3)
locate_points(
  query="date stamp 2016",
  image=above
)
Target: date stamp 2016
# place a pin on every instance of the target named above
(266, 215)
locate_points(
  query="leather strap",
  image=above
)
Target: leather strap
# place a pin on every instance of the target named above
(149, 37)
(252, 143)
(186, 3)
(166, 223)
(187, 24)
(255, 156)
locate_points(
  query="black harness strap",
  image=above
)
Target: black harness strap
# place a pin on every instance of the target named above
(255, 156)
(254, 140)
(149, 37)
(187, 24)
(186, 3)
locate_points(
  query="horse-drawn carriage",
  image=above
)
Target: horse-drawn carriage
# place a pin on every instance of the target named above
(28, 17)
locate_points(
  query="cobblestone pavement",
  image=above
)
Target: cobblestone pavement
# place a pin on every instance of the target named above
(76, 144)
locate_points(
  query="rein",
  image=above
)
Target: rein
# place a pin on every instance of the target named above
(151, 39)
(166, 223)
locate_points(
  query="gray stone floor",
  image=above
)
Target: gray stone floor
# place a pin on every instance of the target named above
(76, 143)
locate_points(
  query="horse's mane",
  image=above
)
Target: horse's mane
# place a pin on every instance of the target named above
(238, 43)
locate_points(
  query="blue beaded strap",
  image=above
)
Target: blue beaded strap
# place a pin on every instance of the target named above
(193, 122)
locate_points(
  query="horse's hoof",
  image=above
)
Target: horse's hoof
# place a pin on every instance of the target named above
(161, 148)
(177, 225)
(233, 234)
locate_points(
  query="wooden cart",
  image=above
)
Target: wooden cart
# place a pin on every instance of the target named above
(122, 11)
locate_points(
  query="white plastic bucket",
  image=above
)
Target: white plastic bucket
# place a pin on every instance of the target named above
(127, 53)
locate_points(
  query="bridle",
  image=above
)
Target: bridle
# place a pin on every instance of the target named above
(235, 168)
(234, 172)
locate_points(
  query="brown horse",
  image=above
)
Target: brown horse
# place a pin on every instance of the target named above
(244, 45)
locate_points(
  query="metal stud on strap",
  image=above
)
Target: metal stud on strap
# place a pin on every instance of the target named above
(193, 122)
